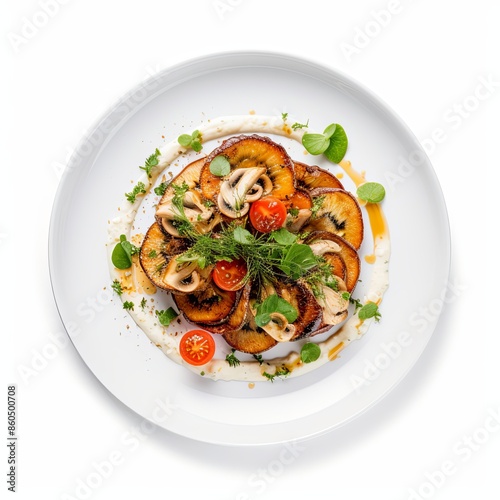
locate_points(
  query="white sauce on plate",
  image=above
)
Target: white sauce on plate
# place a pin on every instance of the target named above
(219, 369)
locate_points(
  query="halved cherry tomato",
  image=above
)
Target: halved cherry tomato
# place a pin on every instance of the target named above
(229, 275)
(197, 347)
(267, 214)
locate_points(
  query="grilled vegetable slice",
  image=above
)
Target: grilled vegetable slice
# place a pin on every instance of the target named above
(250, 338)
(338, 213)
(310, 313)
(211, 306)
(311, 177)
(237, 318)
(255, 152)
(348, 254)
(157, 251)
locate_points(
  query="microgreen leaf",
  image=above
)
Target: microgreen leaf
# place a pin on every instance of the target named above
(220, 166)
(139, 188)
(232, 359)
(165, 317)
(122, 253)
(151, 162)
(184, 140)
(193, 140)
(117, 287)
(369, 310)
(338, 145)
(143, 303)
(284, 237)
(315, 143)
(310, 352)
(161, 188)
(242, 236)
(129, 306)
(297, 125)
(372, 192)
(274, 304)
(298, 259)
(284, 116)
(330, 130)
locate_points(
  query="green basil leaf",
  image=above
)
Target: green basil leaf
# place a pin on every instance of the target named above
(315, 143)
(275, 304)
(337, 148)
(122, 254)
(242, 236)
(220, 166)
(372, 192)
(310, 352)
(298, 259)
(283, 237)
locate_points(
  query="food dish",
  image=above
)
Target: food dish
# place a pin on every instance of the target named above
(176, 101)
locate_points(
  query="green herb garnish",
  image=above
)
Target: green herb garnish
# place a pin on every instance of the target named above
(332, 142)
(129, 306)
(122, 253)
(193, 141)
(369, 310)
(258, 357)
(274, 304)
(220, 166)
(139, 188)
(152, 254)
(294, 212)
(232, 359)
(151, 162)
(161, 188)
(166, 317)
(143, 303)
(282, 372)
(297, 125)
(117, 287)
(283, 236)
(317, 204)
(284, 116)
(310, 352)
(372, 192)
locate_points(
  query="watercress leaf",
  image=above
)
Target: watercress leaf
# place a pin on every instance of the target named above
(283, 237)
(195, 134)
(166, 317)
(196, 145)
(338, 145)
(330, 130)
(372, 192)
(315, 143)
(242, 236)
(369, 310)
(184, 140)
(220, 166)
(310, 352)
(120, 257)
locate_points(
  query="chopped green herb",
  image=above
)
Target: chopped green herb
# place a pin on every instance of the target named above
(317, 204)
(220, 166)
(193, 141)
(372, 192)
(369, 310)
(258, 357)
(129, 306)
(143, 303)
(153, 254)
(166, 317)
(282, 372)
(139, 188)
(310, 352)
(208, 203)
(357, 303)
(297, 125)
(161, 188)
(294, 212)
(284, 116)
(346, 295)
(151, 162)
(117, 287)
(232, 359)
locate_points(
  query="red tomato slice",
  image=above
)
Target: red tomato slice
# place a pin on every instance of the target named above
(197, 347)
(229, 275)
(267, 214)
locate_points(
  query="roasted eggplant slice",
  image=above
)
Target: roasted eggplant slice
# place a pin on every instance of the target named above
(255, 152)
(250, 338)
(212, 306)
(311, 177)
(237, 318)
(157, 251)
(338, 213)
(348, 254)
(310, 312)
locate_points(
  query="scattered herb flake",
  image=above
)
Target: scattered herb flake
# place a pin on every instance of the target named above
(167, 316)
(139, 188)
(117, 287)
(232, 359)
(129, 306)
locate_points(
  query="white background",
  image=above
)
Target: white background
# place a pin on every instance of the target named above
(59, 77)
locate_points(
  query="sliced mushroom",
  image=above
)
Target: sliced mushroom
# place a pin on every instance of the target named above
(334, 306)
(279, 328)
(240, 189)
(182, 277)
(320, 247)
(294, 224)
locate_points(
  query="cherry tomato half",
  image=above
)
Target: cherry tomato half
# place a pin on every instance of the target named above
(229, 275)
(197, 347)
(267, 214)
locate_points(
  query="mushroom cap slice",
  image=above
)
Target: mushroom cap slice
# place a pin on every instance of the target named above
(311, 177)
(250, 338)
(246, 151)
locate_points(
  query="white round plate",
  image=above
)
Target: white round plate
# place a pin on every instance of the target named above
(105, 166)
